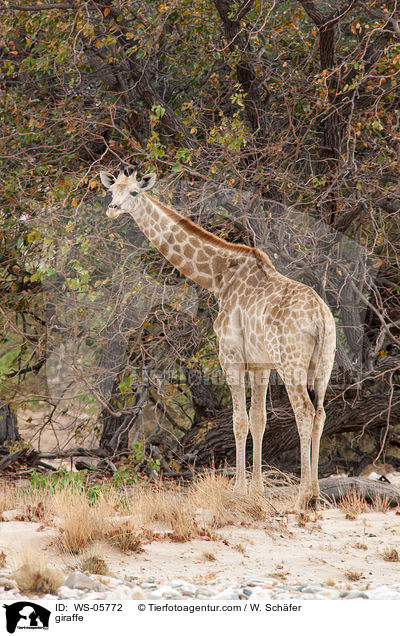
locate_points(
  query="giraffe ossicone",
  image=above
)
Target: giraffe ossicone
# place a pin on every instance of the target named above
(265, 321)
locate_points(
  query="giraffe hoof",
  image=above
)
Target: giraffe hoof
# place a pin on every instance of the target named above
(240, 490)
(313, 502)
(306, 503)
(256, 487)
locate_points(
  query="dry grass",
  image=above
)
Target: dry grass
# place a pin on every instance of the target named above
(390, 554)
(178, 513)
(168, 510)
(353, 505)
(94, 564)
(35, 575)
(209, 556)
(359, 546)
(240, 548)
(82, 521)
(3, 559)
(352, 575)
(280, 489)
(380, 504)
(8, 497)
(127, 537)
(33, 505)
(213, 493)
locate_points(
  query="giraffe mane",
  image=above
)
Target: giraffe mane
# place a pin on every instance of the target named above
(196, 230)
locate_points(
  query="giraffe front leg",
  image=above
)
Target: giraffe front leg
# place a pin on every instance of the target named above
(235, 379)
(240, 429)
(259, 383)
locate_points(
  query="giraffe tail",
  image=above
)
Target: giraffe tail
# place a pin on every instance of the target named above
(311, 394)
(316, 357)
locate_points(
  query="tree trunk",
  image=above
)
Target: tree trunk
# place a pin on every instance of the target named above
(255, 96)
(8, 425)
(204, 400)
(115, 433)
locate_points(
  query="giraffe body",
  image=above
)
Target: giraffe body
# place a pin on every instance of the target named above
(265, 321)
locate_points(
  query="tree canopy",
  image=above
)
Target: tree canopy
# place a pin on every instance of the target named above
(270, 123)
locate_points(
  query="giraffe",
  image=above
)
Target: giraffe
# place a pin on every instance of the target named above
(265, 321)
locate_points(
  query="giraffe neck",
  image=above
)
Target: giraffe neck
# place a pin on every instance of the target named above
(196, 253)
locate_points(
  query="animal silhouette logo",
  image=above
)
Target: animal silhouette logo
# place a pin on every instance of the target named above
(26, 615)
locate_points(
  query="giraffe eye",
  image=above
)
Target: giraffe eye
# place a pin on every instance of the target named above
(134, 193)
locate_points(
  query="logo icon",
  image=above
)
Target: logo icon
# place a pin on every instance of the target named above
(26, 615)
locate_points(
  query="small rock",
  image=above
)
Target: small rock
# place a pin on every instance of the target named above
(259, 581)
(48, 597)
(125, 593)
(204, 592)
(333, 595)
(11, 515)
(94, 596)
(67, 592)
(83, 582)
(383, 593)
(8, 584)
(355, 594)
(227, 593)
(185, 588)
(165, 591)
(108, 581)
(260, 594)
(310, 589)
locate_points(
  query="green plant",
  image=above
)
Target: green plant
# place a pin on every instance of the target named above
(65, 480)
(124, 477)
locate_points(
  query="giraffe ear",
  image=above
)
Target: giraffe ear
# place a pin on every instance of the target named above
(148, 181)
(107, 179)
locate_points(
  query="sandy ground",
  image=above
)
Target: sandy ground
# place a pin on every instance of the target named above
(325, 550)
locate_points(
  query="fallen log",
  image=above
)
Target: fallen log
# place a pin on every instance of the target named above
(335, 489)
(74, 452)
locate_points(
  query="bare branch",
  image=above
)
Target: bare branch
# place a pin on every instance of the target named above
(39, 7)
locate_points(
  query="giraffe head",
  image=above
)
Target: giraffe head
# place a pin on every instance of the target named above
(126, 191)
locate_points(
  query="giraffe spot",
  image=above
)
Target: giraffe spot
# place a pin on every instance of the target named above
(188, 251)
(205, 269)
(219, 264)
(187, 269)
(180, 236)
(204, 281)
(202, 257)
(164, 248)
(157, 228)
(210, 251)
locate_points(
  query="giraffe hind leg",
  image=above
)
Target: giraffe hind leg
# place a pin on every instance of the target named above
(305, 414)
(318, 426)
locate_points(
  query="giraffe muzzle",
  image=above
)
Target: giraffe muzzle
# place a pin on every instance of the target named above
(113, 212)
